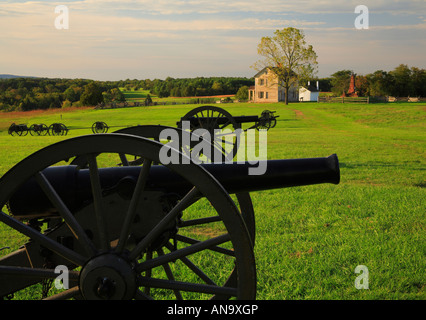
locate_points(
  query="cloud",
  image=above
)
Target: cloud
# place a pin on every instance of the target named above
(125, 38)
(178, 7)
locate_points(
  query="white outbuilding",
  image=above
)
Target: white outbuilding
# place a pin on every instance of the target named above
(309, 93)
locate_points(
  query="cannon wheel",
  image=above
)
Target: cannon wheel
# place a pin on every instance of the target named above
(100, 127)
(18, 130)
(270, 115)
(267, 120)
(263, 124)
(108, 269)
(34, 130)
(12, 129)
(23, 131)
(57, 129)
(153, 132)
(38, 129)
(213, 113)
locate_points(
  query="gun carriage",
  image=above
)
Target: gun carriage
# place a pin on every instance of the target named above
(225, 128)
(58, 129)
(18, 129)
(38, 129)
(211, 117)
(100, 127)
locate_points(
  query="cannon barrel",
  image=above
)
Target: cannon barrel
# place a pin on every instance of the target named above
(73, 184)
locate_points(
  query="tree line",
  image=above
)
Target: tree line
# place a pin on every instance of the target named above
(189, 87)
(25, 94)
(403, 81)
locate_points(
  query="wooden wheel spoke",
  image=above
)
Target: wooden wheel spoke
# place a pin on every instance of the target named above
(169, 274)
(213, 248)
(64, 295)
(97, 202)
(137, 194)
(194, 222)
(30, 232)
(178, 254)
(186, 286)
(193, 267)
(36, 273)
(142, 296)
(148, 272)
(124, 160)
(66, 214)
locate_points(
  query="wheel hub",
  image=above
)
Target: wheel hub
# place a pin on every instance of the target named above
(108, 277)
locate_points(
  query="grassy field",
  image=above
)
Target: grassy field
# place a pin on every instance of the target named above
(141, 95)
(309, 240)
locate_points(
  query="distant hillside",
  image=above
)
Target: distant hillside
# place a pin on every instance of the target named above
(11, 76)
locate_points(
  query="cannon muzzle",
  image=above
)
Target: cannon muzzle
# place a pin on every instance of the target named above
(73, 184)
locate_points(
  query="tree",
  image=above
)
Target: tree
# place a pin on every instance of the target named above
(175, 92)
(380, 83)
(117, 95)
(289, 55)
(361, 85)
(72, 93)
(188, 91)
(92, 95)
(340, 82)
(418, 80)
(403, 86)
(148, 100)
(217, 88)
(242, 93)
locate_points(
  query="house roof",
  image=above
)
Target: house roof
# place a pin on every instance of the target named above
(311, 88)
(270, 68)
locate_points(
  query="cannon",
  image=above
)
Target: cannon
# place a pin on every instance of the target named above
(211, 117)
(99, 127)
(148, 231)
(18, 129)
(38, 129)
(267, 120)
(57, 129)
(214, 118)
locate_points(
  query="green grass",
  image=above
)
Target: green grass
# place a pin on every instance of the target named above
(136, 95)
(309, 240)
(140, 96)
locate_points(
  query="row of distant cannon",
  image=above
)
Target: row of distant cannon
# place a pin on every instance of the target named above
(203, 114)
(55, 129)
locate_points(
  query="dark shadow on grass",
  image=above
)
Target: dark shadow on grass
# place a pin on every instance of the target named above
(379, 164)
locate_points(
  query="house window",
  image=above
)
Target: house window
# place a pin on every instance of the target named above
(266, 95)
(261, 93)
(261, 82)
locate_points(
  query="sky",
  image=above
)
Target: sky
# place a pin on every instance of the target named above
(155, 39)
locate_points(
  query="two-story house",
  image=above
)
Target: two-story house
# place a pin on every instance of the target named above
(268, 88)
